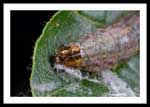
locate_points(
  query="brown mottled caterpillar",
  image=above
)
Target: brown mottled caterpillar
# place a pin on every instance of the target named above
(103, 48)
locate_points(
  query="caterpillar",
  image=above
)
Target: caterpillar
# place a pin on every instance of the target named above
(103, 48)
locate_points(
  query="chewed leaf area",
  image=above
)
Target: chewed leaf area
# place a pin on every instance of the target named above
(67, 27)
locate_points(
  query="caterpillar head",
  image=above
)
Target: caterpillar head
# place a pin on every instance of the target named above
(69, 56)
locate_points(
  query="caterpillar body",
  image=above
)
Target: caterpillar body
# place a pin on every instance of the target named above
(103, 48)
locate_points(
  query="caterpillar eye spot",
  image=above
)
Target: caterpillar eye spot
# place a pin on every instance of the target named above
(64, 52)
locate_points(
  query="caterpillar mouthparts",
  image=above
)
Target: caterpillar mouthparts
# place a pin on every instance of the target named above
(103, 48)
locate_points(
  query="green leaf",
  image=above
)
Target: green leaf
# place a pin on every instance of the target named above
(130, 73)
(81, 88)
(63, 28)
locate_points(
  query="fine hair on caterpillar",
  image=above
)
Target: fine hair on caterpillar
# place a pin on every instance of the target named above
(101, 49)
(72, 72)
